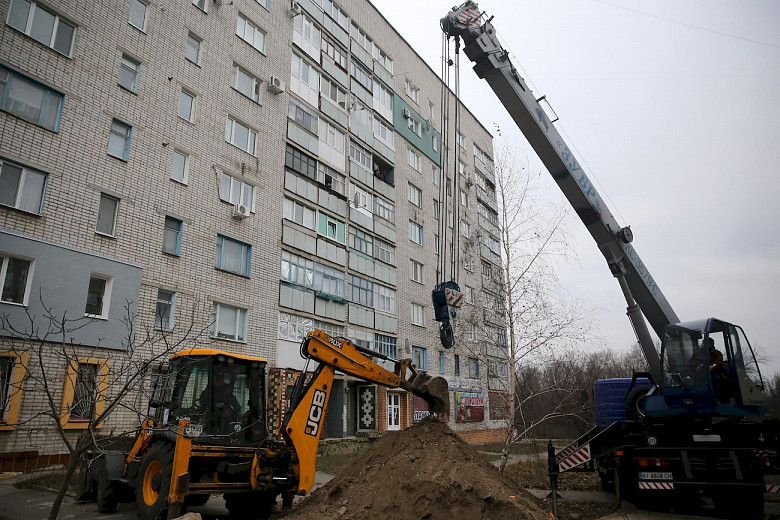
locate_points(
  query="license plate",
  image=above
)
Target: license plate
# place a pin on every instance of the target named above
(655, 475)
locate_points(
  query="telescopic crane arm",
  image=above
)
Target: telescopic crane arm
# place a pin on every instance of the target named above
(492, 63)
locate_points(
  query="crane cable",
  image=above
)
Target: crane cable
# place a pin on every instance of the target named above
(442, 200)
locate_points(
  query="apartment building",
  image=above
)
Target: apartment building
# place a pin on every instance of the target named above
(236, 174)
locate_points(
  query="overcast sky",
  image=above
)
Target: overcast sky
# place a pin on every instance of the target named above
(673, 108)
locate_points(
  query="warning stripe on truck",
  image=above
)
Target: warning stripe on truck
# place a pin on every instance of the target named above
(657, 485)
(580, 456)
(772, 488)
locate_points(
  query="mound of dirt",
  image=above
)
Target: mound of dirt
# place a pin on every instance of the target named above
(424, 472)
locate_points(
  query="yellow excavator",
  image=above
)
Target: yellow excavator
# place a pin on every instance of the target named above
(208, 432)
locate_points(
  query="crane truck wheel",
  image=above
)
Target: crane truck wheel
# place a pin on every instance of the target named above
(154, 481)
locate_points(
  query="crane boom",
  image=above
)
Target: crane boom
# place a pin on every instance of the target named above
(492, 63)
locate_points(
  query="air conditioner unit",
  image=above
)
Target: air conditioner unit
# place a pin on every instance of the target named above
(276, 85)
(240, 211)
(295, 9)
(407, 113)
(469, 182)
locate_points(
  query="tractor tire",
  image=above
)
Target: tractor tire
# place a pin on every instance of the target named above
(105, 495)
(250, 506)
(154, 482)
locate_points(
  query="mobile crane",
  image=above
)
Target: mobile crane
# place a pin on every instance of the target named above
(208, 433)
(697, 422)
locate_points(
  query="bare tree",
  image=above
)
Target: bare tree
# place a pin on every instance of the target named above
(525, 315)
(74, 389)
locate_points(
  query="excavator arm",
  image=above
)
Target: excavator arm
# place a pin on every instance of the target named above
(302, 425)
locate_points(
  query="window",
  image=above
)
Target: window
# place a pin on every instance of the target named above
(296, 212)
(331, 179)
(107, 210)
(383, 100)
(240, 135)
(393, 411)
(386, 345)
(228, 322)
(21, 188)
(265, 3)
(412, 91)
(492, 243)
(306, 74)
(384, 209)
(13, 373)
(332, 228)
(473, 368)
(468, 294)
(331, 136)
(436, 244)
(119, 139)
(336, 13)
(42, 25)
(98, 296)
(332, 49)
(129, 70)
(186, 105)
(436, 209)
(415, 232)
(457, 365)
(416, 271)
(414, 126)
(442, 364)
(250, 33)
(360, 155)
(234, 256)
(384, 252)
(361, 291)
(383, 132)
(460, 140)
(383, 59)
(420, 357)
(431, 111)
(138, 14)
(237, 192)
(246, 83)
(361, 241)
(83, 398)
(415, 195)
(29, 100)
(384, 298)
(487, 214)
(180, 166)
(298, 161)
(302, 115)
(435, 142)
(417, 314)
(306, 35)
(193, 49)
(297, 270)
(15, 279)
(465, 229)
(163, 316)
(361, 38)
(464, 199)
(328, 280)
(201, 4)
(413, 159)
(172, 236)
(361, 75)
(331, 91)
(461, 168)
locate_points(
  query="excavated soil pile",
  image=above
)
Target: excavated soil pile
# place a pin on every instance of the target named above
(424, 472)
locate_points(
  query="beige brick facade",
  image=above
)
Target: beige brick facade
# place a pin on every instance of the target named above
(75, 159)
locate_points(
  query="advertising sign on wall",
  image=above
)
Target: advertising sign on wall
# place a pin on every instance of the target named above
(469, 407)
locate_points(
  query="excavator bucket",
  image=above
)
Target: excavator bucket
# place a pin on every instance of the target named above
(434, 390)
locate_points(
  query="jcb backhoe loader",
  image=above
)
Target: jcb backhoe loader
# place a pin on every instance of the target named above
(208, 432)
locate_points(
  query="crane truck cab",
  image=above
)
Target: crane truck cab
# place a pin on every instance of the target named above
(708, 367)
